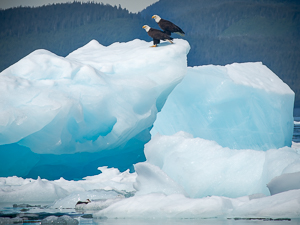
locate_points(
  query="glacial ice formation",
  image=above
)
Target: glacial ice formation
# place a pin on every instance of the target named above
(66, 117)
(240, 106)
(197, 168)
(95, 107)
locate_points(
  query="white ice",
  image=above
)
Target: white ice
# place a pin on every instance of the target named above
(111, 203)
(65, 194)
(65, 219)
(97, 98)
(198, 168)
(161, 206)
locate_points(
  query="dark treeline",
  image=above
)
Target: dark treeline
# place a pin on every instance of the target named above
(227, 31)
(219, 31)
(62, 28)
(26, 20)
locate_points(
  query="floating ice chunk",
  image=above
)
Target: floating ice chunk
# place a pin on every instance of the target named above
(240, 106)
(160, 206)
(8, 220)
(203, 168)
(65, 219)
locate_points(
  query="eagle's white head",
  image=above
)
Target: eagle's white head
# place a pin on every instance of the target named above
(156, 18)
(146, 27)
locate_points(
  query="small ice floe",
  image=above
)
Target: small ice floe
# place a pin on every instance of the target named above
(8, 220)
(65, 219)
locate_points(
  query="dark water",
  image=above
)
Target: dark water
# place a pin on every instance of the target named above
(296, 135)
(35, 213)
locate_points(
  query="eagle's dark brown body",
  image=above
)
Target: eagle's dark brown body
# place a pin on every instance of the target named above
(169, 27)
(157, 35)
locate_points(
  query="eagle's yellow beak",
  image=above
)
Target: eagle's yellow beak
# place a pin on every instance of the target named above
(153, 17)
(144, 26)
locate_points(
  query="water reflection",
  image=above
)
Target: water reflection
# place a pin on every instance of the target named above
(188, 222)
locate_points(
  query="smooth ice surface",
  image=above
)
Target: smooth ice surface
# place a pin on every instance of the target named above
(98, 99)
(198, 168)
(285, 182)
(241, 106)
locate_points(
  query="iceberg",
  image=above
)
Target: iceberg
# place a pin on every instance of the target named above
(95, 107)
(240, 106)
(169, 141)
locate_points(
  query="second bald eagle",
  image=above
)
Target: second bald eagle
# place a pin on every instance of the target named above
(167, 26)
(157, 35)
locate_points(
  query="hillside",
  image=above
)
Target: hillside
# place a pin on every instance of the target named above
(62, 28)
(219, 31)
(226, 31)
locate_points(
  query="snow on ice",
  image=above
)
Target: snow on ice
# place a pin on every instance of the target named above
(225, 134)
(108, 184)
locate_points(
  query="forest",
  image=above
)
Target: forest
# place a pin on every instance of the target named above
(220, 32)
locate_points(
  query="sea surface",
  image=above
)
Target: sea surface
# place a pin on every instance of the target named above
(35, 213)
(296, 135)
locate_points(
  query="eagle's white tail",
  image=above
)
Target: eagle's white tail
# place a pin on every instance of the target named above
(181, 34)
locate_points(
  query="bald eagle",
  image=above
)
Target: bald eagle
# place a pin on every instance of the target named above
(167, 26)
(157, 35)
